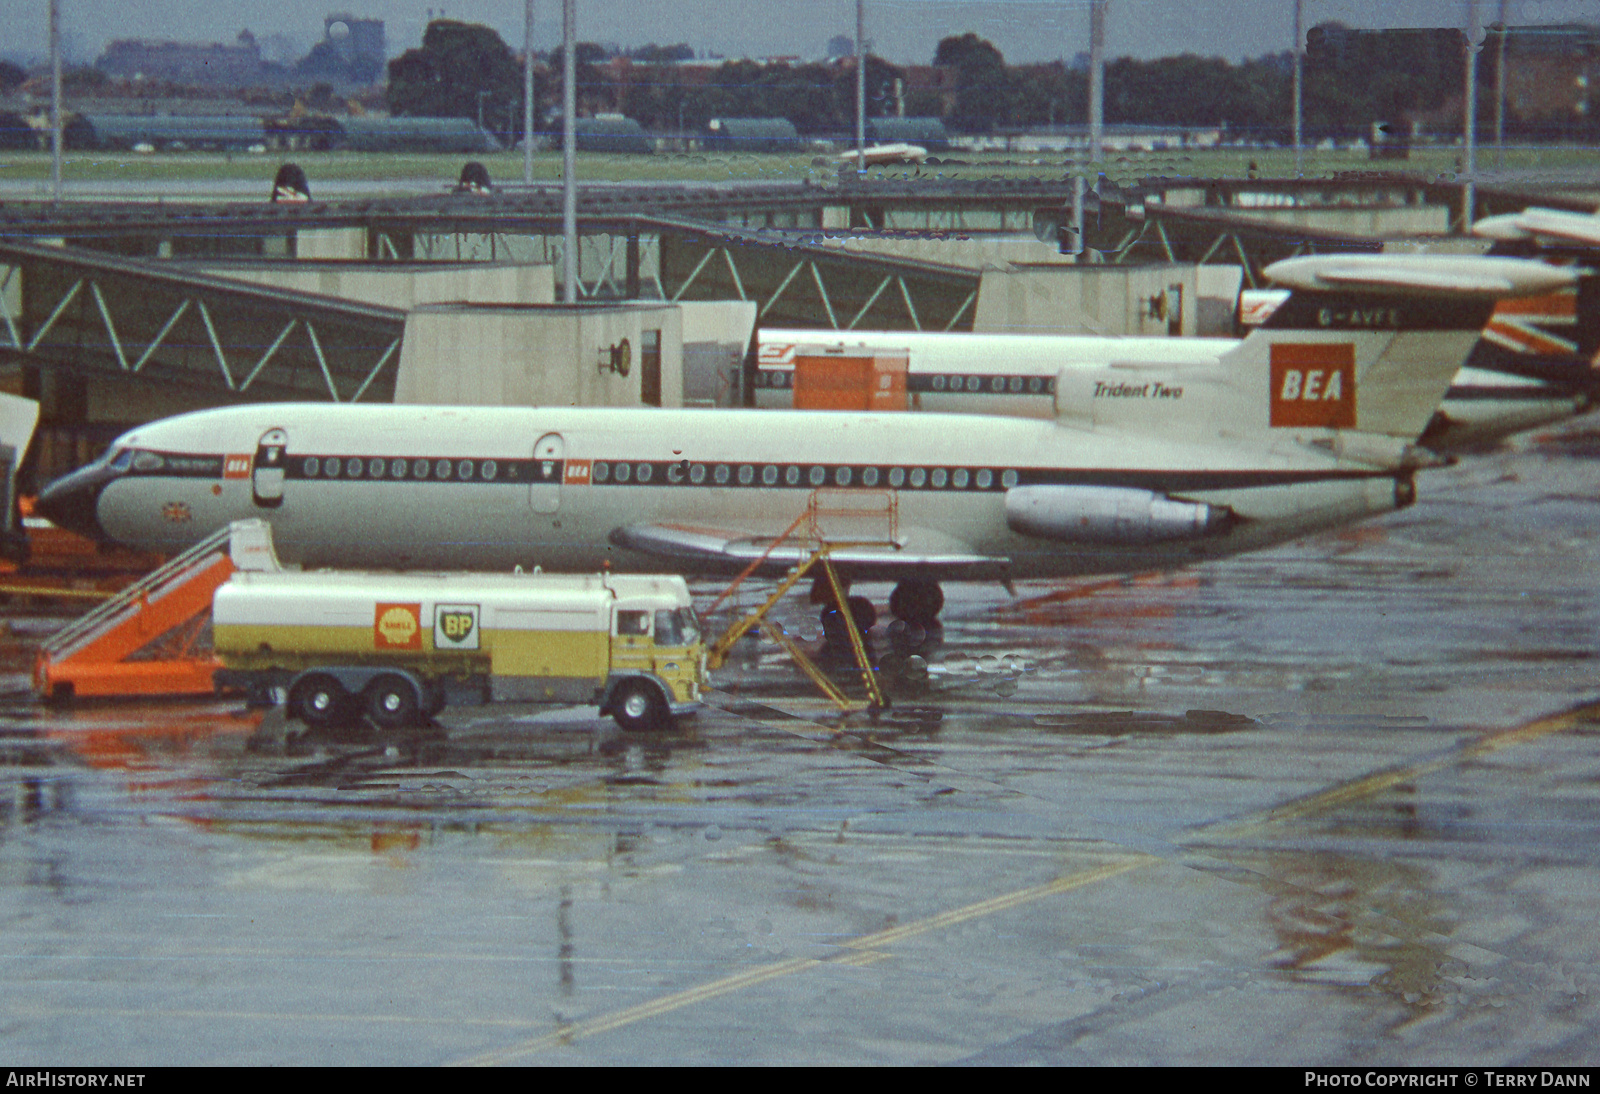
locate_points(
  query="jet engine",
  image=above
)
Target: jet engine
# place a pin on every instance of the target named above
(1110, 515)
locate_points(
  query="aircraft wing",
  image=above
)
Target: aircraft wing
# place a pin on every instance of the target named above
(929, 555)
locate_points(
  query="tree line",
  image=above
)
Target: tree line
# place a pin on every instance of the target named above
(1352, 80)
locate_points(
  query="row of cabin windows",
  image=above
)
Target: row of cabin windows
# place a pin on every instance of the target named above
(995, 385)
(356, 467)
(723, 474)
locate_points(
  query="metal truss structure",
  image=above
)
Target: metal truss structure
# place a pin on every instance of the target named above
(87, 313)
(109, 303)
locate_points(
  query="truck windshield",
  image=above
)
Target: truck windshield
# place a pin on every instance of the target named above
(676, 627)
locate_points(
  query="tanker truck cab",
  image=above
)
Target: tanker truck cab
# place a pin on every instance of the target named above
(396, 646)
(655, 639)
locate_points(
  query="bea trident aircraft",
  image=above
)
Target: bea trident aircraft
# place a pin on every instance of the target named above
(1306, 424)
(1535, 363)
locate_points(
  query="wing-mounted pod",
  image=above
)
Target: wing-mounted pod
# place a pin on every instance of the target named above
(1112, 516)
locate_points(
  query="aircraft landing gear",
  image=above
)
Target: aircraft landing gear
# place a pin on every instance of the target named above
(917, 602)
(833, 629)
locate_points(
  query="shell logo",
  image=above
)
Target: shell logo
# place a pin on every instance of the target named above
(397, 627)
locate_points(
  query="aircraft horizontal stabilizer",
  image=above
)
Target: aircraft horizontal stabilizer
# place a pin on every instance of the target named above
(735, 549)
(1556, 226)
(1444, 275)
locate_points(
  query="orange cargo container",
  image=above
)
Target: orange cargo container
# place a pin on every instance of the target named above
(850, 379)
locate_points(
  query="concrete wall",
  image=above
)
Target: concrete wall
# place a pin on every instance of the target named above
(402, 285)
(1382, 221)
(973, 252)
(1105, 300)
(553, 355)
(716, 337)
(346, 244)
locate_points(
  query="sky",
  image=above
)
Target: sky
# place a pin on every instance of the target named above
(903, 31)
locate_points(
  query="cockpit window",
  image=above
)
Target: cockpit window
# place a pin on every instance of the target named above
(148, 461)
(121, 459)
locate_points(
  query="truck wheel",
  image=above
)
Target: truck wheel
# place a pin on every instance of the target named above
(320, 701)
(392, 702)
(638, 706)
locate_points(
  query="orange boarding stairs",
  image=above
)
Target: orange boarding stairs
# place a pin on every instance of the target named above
(151, 638)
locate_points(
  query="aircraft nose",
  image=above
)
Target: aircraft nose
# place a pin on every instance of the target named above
(72, 502)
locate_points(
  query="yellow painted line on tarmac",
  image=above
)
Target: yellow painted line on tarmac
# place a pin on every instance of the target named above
(870, 948)
(1376, 783)
(857, 952)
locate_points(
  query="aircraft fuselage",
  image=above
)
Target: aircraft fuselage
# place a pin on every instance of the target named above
(494, 488)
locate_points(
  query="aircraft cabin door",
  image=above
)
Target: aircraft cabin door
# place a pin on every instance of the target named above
(544, 495)
(267, 470)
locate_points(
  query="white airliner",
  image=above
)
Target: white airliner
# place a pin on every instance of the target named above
(1532, 367)
(1295, 429)
(883, 155)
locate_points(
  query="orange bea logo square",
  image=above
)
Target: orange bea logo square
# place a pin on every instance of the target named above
(1313, 385)
(397, 627)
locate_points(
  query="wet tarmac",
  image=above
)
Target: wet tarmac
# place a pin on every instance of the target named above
(1333, 804)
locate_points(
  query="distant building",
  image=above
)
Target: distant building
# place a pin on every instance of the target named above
(352, 51)
(1552, 72)
(197, 64)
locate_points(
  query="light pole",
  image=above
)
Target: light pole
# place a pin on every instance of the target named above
(1469, 164)
(1299, 88)
(861, 88)
(55, 101)
(569, 153)
(527, 95)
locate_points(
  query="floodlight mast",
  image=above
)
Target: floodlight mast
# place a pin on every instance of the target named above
(861, 87)
(527, 95)
(1299, 88)
(569, 154)
(55, 101)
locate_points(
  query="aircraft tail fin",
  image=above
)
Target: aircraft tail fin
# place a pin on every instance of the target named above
(1371, 343)
(1364, 345)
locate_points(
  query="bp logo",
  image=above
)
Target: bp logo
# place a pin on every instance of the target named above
(455, 627)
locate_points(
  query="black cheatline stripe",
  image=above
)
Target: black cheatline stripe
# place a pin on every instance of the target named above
(460, 470)
(962, 478)
(1471, 393)
(953, 383)
(946, 477)
(946, 383)
(176, 465)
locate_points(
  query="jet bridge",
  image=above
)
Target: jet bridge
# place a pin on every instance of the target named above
(100, 317)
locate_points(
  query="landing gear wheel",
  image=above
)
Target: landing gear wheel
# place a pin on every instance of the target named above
(833, 628)
(638, 706)
(862, 611)
(392, 702)
(917, 601)
(321, 702)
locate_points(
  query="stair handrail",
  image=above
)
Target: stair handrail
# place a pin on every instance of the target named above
(90, 621)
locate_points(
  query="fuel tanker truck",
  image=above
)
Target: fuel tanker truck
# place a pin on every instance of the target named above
(396, 646)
